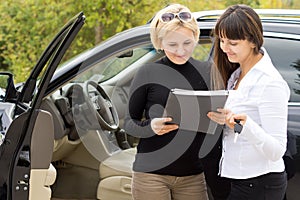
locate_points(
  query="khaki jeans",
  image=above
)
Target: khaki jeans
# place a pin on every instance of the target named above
(146, 186)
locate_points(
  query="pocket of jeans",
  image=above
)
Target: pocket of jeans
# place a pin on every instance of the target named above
(278, 186)
(277, 181)
(275, 191)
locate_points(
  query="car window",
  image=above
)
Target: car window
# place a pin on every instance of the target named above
(116, 64)
(3, 85)
(112, 66)
(286, 58)
(202, 50)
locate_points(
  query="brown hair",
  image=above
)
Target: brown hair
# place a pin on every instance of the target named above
(238, 22)
(158, 29)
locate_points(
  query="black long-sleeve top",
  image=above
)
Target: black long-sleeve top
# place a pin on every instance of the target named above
(175, 153)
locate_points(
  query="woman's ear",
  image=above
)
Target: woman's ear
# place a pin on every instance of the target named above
(253, 46)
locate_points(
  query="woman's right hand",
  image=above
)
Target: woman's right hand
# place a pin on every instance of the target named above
(225, 116)
(160, 127)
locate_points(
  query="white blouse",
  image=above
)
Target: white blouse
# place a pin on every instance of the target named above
(263, 95)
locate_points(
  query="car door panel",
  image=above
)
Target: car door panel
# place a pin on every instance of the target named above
(16, 160)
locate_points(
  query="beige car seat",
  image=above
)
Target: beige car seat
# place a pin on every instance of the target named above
(42, 174)
(115, 176)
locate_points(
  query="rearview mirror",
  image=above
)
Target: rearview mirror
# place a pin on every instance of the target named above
(127, 54)
(8, 92)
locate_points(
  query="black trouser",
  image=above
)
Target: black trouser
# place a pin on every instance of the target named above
(219, 186)
(271, 186)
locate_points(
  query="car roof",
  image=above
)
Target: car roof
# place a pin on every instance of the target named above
(286, 21)
(282, 14)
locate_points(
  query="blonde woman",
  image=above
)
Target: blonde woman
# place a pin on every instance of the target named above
(167, 165)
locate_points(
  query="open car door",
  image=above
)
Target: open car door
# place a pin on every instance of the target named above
(27, 145)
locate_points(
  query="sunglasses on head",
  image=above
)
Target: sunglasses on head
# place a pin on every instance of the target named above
(182, 16)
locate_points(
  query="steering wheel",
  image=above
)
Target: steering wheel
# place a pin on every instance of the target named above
(101, 105)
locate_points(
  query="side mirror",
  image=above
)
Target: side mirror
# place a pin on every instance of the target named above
(8, 92)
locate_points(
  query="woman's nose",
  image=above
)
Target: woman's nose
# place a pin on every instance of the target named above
(180, 50)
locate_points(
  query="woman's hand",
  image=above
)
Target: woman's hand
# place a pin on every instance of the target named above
(160, 127)
(225, 116)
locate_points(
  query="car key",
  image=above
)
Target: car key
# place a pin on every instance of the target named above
(238, 127)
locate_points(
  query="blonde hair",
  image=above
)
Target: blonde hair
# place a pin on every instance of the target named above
(158, 29)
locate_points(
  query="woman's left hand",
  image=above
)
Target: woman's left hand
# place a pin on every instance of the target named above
(160, 127)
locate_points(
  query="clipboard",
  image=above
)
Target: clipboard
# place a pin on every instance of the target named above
(189, 108)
